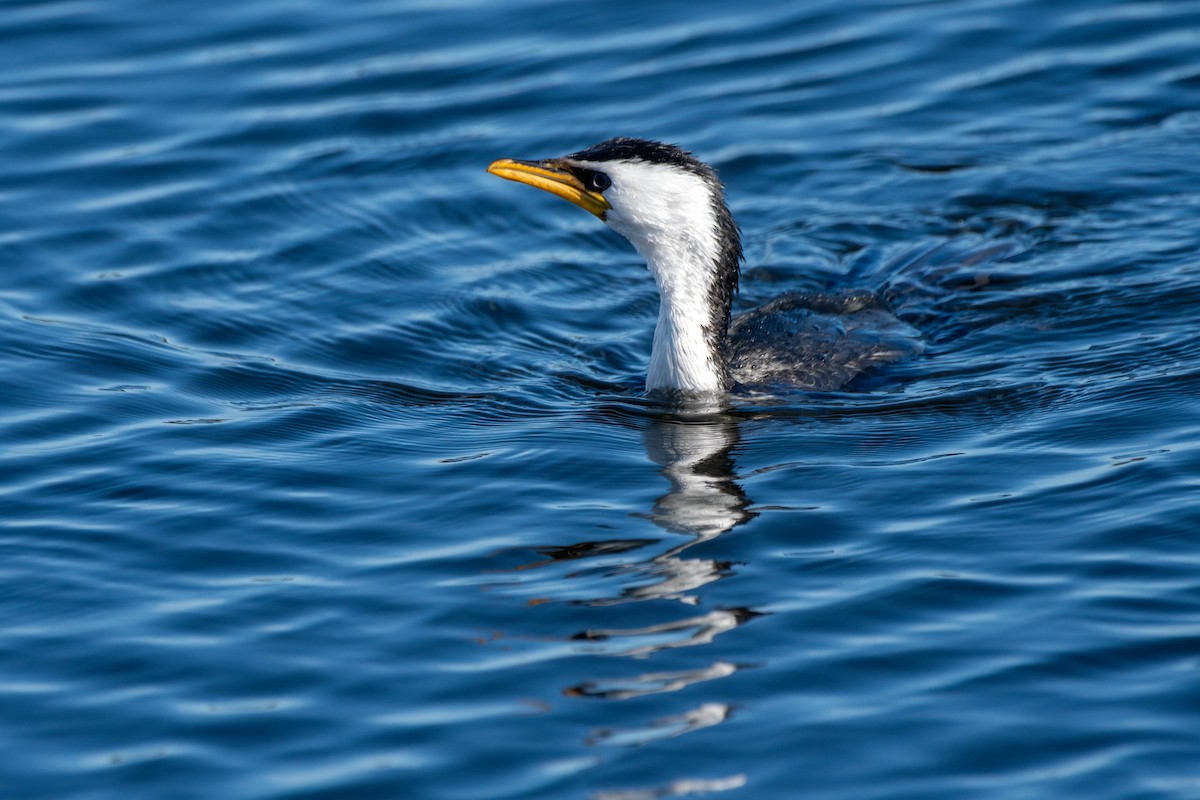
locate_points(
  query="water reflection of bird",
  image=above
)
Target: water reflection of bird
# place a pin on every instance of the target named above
(705, 501)
(672, 208)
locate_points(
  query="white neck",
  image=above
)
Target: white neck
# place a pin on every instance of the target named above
(668, 215)
(682, 356)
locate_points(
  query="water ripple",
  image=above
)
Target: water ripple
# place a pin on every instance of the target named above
(327, 471)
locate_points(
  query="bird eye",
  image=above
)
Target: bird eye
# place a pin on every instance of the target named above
(600, 181)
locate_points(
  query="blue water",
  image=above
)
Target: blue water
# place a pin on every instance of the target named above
(325, 470)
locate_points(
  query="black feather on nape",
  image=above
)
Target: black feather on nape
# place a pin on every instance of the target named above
(628, 148)
(725, 284)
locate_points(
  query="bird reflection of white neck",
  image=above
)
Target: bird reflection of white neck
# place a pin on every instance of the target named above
(705, 500)
(669, 216)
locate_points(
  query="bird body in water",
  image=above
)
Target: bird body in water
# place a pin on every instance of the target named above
(672, 208)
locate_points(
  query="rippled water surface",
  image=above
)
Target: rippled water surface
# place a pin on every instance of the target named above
(326, 470)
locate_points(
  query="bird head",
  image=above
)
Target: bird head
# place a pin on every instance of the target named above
(667, 203)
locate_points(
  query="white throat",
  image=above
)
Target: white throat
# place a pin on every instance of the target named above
(668, 214)
(682, 356)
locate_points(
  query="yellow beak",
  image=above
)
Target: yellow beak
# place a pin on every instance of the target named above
(554, 179)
